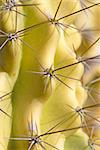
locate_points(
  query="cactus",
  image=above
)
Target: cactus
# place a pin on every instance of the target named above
(49, 75)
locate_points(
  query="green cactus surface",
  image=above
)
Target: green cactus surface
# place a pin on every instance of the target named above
(49, 74)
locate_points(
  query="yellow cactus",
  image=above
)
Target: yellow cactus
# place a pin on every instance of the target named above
(49, 75)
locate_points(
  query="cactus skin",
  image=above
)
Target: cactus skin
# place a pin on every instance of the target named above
(79, 140)
(49, 75)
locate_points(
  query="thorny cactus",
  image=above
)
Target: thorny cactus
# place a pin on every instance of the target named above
(49, 74)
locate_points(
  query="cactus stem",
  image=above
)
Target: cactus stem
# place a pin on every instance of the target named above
(2, 98)
(86, 8)
(81, 61)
